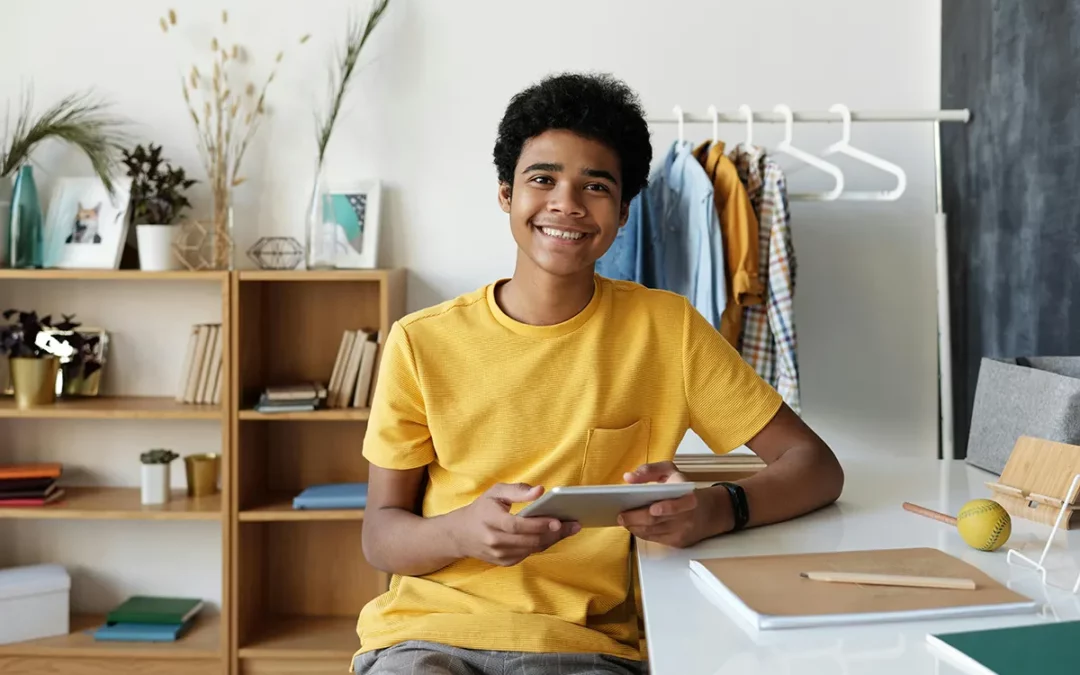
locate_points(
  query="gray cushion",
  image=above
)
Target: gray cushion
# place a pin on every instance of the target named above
(1033, 396)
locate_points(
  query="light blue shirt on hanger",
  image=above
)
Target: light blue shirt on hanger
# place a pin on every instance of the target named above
(672, 239)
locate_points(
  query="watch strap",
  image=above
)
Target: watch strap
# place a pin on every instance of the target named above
(739, 506)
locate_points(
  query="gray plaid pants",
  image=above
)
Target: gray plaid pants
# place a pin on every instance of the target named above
(416, 657)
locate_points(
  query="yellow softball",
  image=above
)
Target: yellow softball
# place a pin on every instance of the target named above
(984, 524)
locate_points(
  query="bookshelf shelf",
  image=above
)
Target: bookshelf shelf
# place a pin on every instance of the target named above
(111, 275)
(325, 415)
(279, 508)
(304, 637)
(202, 641)
(103, 503)
(114, 408)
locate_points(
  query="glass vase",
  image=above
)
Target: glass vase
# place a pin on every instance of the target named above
(319, 227)
(221, 230)
(26, 239)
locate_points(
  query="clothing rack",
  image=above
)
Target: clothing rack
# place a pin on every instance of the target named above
(782, 114)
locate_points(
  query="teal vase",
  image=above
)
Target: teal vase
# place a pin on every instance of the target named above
(27, 239)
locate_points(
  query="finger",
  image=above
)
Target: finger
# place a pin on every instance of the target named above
(511, 493)
(656, 472)
(534, 525)
(513, 544)
(640, 518)
(674, 507)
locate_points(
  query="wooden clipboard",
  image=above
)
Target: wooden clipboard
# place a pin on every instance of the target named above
(769, 593)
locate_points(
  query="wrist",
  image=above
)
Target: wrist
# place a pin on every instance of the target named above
(719, 513)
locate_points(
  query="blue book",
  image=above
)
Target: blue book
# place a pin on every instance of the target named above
(140, 632)
(332, 496)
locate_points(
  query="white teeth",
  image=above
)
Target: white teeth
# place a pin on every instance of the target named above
(561, 234)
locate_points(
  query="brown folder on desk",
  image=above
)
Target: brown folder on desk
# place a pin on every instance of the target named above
(769, 592)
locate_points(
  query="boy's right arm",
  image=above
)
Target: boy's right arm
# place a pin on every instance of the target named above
(398, 540)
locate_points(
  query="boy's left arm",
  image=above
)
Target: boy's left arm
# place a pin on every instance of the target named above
(801, 474)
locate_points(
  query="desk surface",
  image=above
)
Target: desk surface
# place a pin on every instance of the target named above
(689, 633)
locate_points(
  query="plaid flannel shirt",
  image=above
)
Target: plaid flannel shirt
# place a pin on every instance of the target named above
(768, 340)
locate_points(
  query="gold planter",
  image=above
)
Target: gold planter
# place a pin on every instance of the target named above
(202, 471)
(34, 380)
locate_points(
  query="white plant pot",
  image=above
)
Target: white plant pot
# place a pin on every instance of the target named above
(155, 483)
(156, 247)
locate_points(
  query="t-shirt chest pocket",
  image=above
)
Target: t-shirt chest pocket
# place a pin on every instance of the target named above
(609, 453)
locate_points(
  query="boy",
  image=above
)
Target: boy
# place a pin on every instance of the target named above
(555, 377)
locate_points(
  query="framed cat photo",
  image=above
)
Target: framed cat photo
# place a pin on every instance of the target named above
(85, 226)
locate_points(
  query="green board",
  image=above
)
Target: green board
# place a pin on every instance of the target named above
(1042, 649)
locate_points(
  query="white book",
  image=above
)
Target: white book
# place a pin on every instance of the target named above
(195, 372)
(217, 386)
(185, 370)
(333, 391)
(212, 344)
(206, 386)
(378, 365)
(363, 376)
(352, 367)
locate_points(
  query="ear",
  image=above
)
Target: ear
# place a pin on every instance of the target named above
(97, 208)
(624, 213)
(505, 191)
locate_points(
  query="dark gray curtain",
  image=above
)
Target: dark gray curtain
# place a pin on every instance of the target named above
(1011, 183)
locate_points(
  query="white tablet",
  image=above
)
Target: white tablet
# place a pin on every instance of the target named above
(600, 505)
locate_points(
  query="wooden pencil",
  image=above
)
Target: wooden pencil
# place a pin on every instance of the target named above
(891, 580)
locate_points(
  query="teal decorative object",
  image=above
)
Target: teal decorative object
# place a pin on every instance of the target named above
(27, 239)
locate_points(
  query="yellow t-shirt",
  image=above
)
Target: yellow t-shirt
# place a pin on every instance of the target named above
(480, 398)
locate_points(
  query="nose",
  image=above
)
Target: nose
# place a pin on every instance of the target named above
(566, 200)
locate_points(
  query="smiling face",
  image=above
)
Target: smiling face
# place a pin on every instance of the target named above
(566, 203)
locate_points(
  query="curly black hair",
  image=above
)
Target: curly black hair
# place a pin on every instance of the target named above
(595, 106)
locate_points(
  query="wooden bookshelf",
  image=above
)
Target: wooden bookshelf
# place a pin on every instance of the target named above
(300, 575)
(325, 415)
(279, 508)
(103, 503)
(202, 641)
(115, 408)
(205, 648)
(305, 638)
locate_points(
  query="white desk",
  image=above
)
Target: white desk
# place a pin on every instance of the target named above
(689, 633)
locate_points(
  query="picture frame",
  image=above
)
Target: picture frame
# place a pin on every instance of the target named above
(356, 208)
(85, 227)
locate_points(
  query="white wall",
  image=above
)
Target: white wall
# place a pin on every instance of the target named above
(424, 111)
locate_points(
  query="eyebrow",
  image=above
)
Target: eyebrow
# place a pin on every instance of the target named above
(591, 173)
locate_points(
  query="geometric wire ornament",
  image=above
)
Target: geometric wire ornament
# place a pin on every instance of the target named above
(198, 247)
(276, 253)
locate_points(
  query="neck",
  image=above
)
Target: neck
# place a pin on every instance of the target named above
(534, 297)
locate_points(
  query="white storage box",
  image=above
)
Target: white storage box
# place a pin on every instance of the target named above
(34, 602)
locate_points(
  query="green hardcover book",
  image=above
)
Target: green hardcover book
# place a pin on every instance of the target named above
(150, 609)
(1044, 648)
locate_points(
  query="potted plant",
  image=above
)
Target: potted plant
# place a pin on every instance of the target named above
(157, 199)
(155, 475)
(33, 369)
(79, 120)
(81, 355)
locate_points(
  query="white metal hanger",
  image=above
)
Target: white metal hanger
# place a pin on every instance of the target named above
(748, 113)
(843, 146)
(677, 110)
(715, 114)
(786, 147)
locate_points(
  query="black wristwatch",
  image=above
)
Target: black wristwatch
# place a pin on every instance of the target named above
(738, 504)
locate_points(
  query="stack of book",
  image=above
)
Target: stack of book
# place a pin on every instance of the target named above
(30, 484)
(352, 381)
(201, 376)
(292, 398)
(144, 618)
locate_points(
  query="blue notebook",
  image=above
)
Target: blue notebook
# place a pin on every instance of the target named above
(332, 496)
(140, 632)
